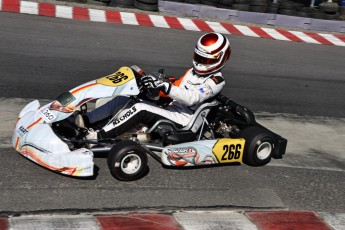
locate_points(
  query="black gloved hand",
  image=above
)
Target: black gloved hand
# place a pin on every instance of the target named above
(152, 82)
(148, 81)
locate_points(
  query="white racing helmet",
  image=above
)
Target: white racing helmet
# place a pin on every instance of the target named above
(211, 53)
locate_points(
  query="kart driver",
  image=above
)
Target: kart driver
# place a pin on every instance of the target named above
(200, 83)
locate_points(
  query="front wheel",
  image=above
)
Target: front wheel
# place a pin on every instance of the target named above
(127, 161)
(259, 146)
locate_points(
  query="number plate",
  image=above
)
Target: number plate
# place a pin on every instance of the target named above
(122, 76)
(229, 150)
(47, 115)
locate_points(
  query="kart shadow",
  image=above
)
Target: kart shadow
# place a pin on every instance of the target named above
(200, 166)
(95, 170)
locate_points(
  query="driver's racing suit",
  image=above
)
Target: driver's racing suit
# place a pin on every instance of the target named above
(187, 94)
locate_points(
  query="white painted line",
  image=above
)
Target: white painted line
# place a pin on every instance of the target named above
(159, 21)
(29, 7)
(275, 34)
(304, 37)
(214, 220)
(217, 27)
(188, 24)
(53, 222)
(129, 18)
(335, 220)
(246, 31)
(64, 12)
(336, 41)
(97, 15)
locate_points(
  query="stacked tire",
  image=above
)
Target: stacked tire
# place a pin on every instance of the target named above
(226, 4)
(306, 12)
(258, 6)
(342, 13)
(122, 3)
(241, 5)
(330, 9)
(209, 2)
(96, 2)
(192, 1)
(149, 5)
(272, 8)
(287, 7)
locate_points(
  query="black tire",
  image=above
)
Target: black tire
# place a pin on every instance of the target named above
(318, 14)
(127, 161)
(144, 6)
(259, 146)
(149, 1)
(332, 16)
(241, 7)
(306, 9)
(287, 5)
(303, 14)
(224, 6)
(208, 3)
(192, 1)
(258, 3)
(122, 2)
(287, 12)
(342, 10)
(96, 3)
(259, 9)
(298, 6)
(226, 2)
(272, 10)
(242, 1)
(329, 7)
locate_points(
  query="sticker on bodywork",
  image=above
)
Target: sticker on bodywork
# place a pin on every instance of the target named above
(47, 115)
(229, 150)
(123, 75)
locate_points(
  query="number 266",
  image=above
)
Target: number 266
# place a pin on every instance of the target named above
(231, 152)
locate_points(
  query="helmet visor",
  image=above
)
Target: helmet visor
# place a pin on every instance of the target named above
(210, 60)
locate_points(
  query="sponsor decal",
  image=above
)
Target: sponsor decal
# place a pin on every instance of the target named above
(122, 76)
(182, 156)
(124, 117)
(204, 90)
(182, 150)
(47, 115)
(22, 131)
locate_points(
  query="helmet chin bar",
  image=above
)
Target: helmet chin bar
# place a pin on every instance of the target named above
(203, 69)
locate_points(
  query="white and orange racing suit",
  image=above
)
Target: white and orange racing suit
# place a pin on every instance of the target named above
(187, 94)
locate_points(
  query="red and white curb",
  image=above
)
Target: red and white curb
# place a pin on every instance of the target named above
(198, 220)
(97, 15)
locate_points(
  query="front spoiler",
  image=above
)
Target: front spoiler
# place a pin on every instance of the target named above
(35, 140)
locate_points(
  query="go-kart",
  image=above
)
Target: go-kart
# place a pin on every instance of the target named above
(221, 132)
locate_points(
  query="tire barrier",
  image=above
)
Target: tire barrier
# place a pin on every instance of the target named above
(122, 3)
(147, 5)
(300, 8)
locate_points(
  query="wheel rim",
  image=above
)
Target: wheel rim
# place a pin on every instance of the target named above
(264, 150)
(131, 163)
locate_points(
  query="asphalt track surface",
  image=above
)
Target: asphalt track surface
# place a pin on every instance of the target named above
(41, 57)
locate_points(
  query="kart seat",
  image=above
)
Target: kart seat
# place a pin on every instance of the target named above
(193, 126)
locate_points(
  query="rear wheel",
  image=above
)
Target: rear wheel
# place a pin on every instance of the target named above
(127, 161)
(259, 146)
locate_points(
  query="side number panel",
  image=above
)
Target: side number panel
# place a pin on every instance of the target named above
(229, 150)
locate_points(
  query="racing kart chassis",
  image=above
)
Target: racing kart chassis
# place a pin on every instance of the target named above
(221, 132)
